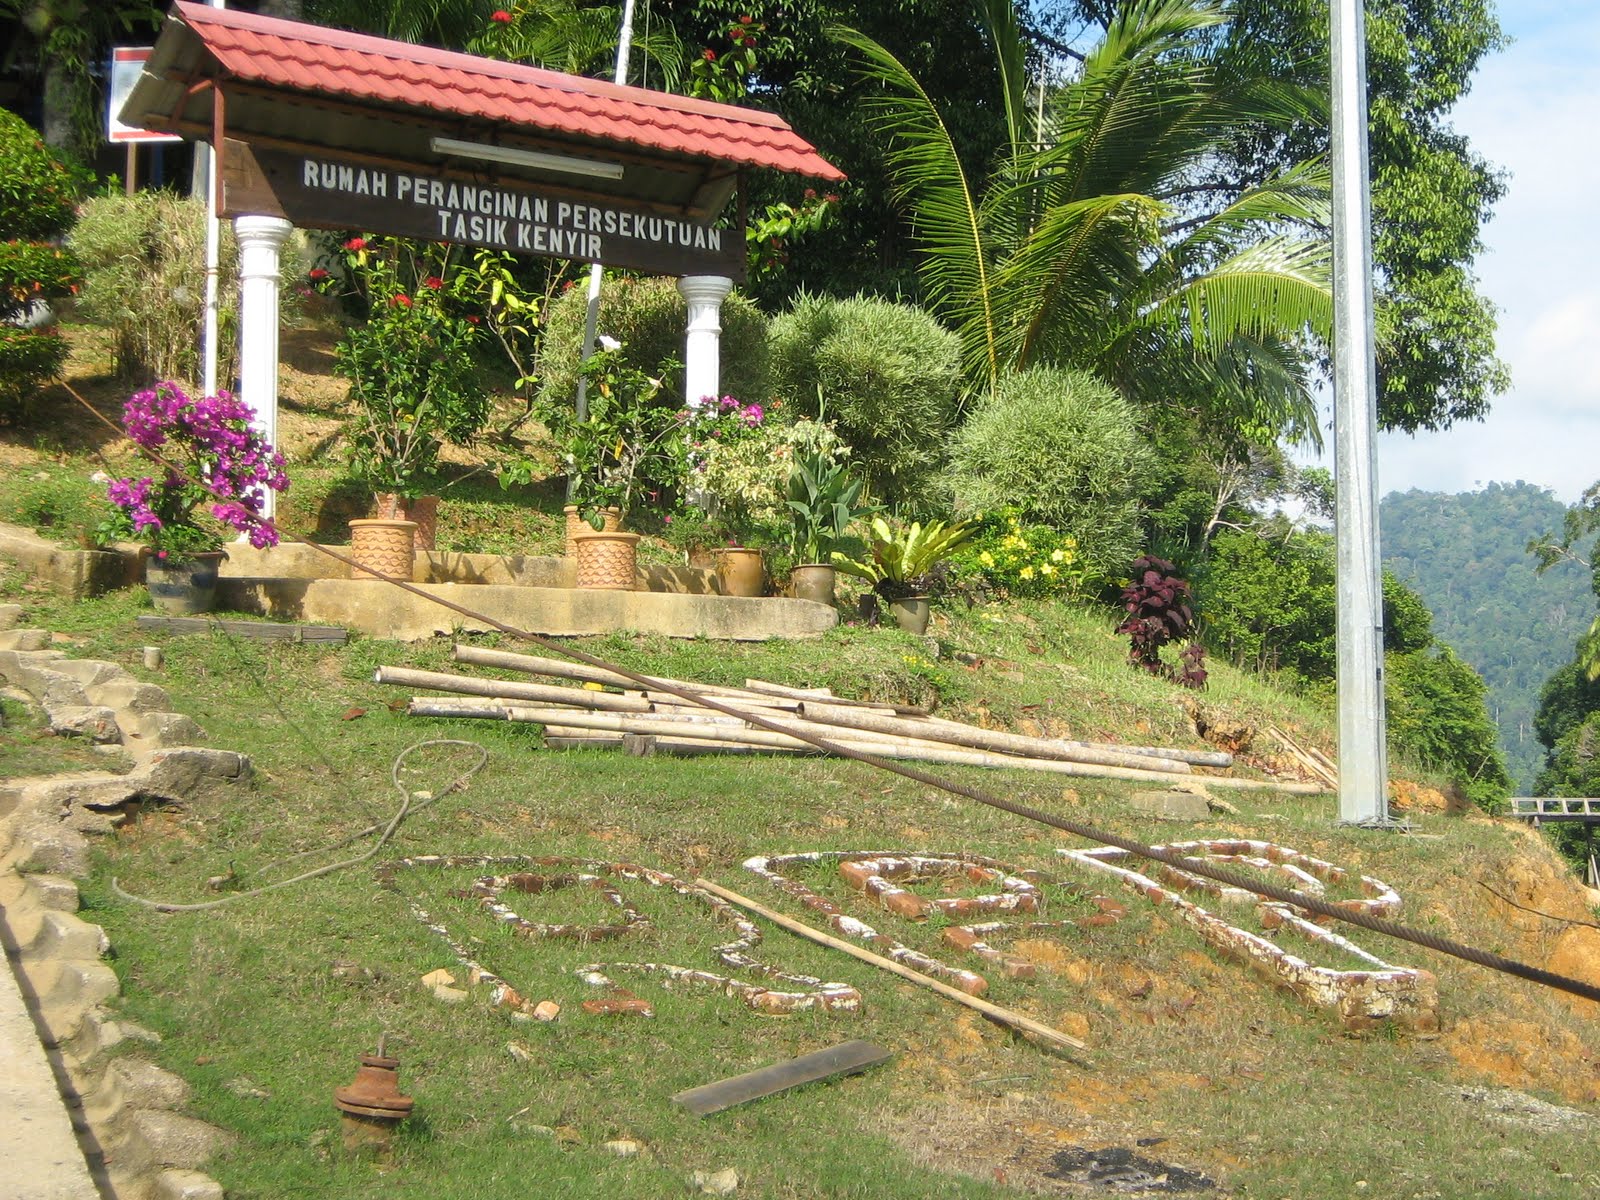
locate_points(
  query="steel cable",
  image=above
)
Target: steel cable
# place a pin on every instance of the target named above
(1222, 875)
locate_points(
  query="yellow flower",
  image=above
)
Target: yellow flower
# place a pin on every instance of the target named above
(1026, 573)
(986, 559)
(1057, 555)
(1047, 570)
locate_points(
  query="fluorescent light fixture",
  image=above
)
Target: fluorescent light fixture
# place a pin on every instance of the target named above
(528, 158)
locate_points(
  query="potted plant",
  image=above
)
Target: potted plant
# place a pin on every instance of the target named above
(902, 563)
(823, 501)
(413, 375)
(739, 469)
(216, 471)
(631, 443)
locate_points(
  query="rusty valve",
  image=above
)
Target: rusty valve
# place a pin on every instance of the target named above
(371, 1102)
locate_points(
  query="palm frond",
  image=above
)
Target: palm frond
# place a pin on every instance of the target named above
(927, 173)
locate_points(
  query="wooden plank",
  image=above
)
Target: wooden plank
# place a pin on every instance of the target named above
(848, 1058)
(266, 631)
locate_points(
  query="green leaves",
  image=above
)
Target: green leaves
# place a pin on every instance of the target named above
(823, 501)
(902, 556)
(1093, 243)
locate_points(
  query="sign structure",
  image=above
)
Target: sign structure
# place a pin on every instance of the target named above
(126, 64)
(326, 191)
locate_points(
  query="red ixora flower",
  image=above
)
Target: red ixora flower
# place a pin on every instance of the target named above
(746, 19)
(318, 273)
(500, 15)
(709, 54)
(471, 320)
(399, 300)
(434, 282)
(356, 243)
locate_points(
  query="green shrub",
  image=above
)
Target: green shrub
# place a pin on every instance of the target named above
(38, 193)
(650, 319)
(38, 190)
(144, 279)
(888, 374)
(1438, 718)
(1065, 450)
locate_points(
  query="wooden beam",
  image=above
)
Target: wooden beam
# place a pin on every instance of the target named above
(848, 1058)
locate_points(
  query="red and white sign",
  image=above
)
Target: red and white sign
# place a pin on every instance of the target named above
(126, 64)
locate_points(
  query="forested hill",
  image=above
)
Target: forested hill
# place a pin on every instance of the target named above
(1465, 554)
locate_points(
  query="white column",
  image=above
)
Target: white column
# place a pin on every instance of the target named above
(702, 361)
(260, 239)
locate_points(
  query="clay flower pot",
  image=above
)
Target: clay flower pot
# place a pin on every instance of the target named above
(814, 582)
(739, 571)
(382, 546)
(424, 510)
(607, 559)
(576, 525)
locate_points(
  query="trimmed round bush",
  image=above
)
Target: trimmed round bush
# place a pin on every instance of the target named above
(38, 195)
(650, 319)
(1064, 449)
(888, 375)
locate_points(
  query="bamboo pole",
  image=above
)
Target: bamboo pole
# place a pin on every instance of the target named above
(557, 668)
(880, 745)
(983, 739)
(994, 1012)
(503, 689)
(762, 687)
(1195, 758)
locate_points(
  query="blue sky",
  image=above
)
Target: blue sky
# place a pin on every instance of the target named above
(1534, 111)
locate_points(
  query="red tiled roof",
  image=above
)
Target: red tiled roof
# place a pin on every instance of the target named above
(355, 67)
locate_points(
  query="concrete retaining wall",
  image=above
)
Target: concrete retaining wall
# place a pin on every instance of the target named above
(383, 611)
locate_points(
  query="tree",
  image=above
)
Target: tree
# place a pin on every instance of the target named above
(66, 38)
(1085, 246)
(1430, 193)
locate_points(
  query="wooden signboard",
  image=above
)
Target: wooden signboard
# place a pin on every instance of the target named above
(327, 191)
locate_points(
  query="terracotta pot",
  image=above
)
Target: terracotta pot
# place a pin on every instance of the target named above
(186, 586)
(910, 613)
(813, 581)
(739, 571)
(424, 510)
(382, 546)
(576, 525)
(607, 559)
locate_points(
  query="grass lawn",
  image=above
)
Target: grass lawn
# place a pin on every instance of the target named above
(265, 1005)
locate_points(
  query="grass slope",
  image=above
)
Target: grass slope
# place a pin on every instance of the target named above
(1193, 1059)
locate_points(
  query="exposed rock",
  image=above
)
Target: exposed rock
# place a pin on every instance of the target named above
(623, 1148)
(145, 1085)
(178, 1141)
(186, 1185)
(10, 616)
(1170, 805)
(92, 721)
(716, 1183)
(169, 729)
(24, 639)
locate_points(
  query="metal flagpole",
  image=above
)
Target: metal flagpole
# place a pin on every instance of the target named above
(208, 335)
(1363, 781)
(591, 318)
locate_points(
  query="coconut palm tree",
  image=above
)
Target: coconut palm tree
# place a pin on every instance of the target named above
(1094, 240)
